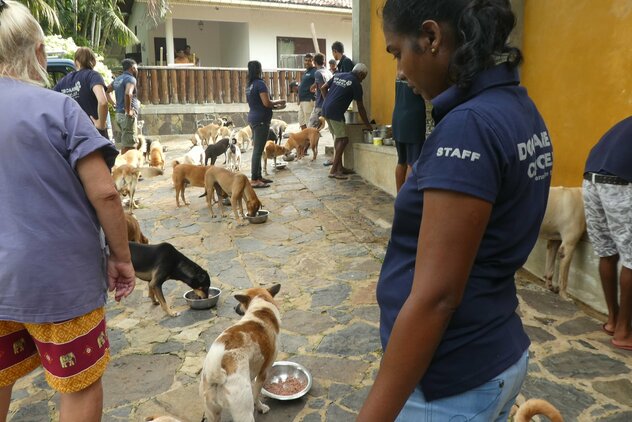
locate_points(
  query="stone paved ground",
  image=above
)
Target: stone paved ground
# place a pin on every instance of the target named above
(324, 242)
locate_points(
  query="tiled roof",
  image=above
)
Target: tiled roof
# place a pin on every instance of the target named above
(344, 4)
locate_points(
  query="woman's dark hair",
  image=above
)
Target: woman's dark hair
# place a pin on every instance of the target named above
(254, 71)
(480, 28)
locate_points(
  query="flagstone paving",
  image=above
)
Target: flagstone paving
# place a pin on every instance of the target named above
(324, 242)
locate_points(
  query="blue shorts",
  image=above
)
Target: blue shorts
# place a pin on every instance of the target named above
(489, 402)
(407, 153)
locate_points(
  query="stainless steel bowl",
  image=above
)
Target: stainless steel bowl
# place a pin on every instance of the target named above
(281, 166)
(281, 371)
(196, 303)
(289, 157)
(261, 217)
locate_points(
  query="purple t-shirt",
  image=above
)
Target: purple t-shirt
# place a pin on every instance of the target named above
(78, 85)
(53, 258)
(258, 112)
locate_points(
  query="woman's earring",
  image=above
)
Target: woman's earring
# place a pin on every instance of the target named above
(433, 50)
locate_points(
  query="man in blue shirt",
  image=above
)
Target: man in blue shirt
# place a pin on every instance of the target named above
(306, 95)
(345, 64)
(127, 104)
(321, 77)
(338, 92)
(608, 204)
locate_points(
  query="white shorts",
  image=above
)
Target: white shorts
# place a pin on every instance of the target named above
(305, 109)
(609, 219)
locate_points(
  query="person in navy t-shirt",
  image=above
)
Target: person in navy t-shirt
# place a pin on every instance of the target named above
(607, 192)
(338, 93)
(465, 220)
(345, 64)
(259, 118)
(306, 96)
(87, 87)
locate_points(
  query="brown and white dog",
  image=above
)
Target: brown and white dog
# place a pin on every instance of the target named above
(303, 140)
(243, 136)
(184, 174)
(533, 407)
(156, 156)
(125, 179)
(133, 157)
(237, 186)
(272, 150)
(563, 226)
(134, 234)
(238, 361)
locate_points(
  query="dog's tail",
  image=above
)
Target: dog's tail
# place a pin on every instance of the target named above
(175, 163)
(213, 375)
(321, 123)
(533, 407)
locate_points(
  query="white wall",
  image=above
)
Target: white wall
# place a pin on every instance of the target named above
(261, 27)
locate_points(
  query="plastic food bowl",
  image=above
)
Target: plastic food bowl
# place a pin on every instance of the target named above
(196, 303)
(280, 372)
(261, 217)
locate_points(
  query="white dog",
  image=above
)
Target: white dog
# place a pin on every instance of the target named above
(563, 226)
(234, 156)
(195, 156)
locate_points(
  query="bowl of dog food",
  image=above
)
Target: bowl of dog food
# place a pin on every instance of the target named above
(289, 157)
(287, 381)
(196, 302)
(261, 217)
(281, 166)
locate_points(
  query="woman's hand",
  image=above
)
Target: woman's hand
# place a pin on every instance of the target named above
(121, 278)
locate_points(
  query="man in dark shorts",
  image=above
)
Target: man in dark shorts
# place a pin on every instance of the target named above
(127, 104)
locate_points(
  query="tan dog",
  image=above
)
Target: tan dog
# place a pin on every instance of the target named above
(187, 173)
(125, 179)
(134, 234)
(237, 186)
(133, 157)
(243, 137)
(223, 132)
(563, 226)
(533, 407)
(238, 361)
(301, 141)
(156, 156)
(206, 134)
(272, 150)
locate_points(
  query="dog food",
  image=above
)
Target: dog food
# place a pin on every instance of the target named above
(288, 387)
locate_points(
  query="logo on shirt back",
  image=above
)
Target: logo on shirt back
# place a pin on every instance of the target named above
(537, 149)
(342, 82)
(73, 91)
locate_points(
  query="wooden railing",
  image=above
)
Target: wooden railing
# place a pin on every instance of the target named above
(205, 85)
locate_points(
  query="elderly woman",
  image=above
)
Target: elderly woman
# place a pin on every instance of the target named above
(465, 220)
(57, 194)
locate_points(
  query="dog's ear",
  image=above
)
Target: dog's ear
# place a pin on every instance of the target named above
(243, 299)
(274, 289)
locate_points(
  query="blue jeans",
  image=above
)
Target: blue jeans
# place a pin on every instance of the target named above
(259, 139)
(491, 401)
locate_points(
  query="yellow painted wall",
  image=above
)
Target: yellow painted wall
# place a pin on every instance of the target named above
(578, 70)
(383, 71)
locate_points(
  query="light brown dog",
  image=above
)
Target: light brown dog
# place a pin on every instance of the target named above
(134, 234)
(187, 173)
(243, 136)
(272, 150)
(125, 179)
(206, 134)
(237, 186)
(238, 361)
(133, 157)
(533, 407)
(563, 226)
(301, 141)
(156, 156)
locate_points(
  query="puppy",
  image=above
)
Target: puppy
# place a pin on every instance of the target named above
(243, 136)
(238, 361)
(156, 156)
(301, 141)
(159, 263)
(563, 226)
(272, 150)
(533, 407)
(206, 134)
(234, 156)
(133, 158)
(125, 179)
(215, 150)
(134, 234)
(195, 156)
(184, 174)
(237, 186)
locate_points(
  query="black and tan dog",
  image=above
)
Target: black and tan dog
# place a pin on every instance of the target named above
(215, 150)
(159, 263)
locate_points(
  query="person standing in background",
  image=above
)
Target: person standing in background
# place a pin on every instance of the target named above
(306, 97)
(345, 64)
(87, 87)
(332, 66)
(409, 128)
(607, 192)
(321, 77)
(127, 104)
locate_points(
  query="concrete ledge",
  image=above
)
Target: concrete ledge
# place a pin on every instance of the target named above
(376, 164)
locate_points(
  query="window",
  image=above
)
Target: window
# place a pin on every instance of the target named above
(290, 50)
(178, 44)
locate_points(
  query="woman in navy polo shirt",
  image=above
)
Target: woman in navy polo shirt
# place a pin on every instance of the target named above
(259, 118)
(465, 220)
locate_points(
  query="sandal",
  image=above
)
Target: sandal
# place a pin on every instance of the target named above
(328, 163)
(338, 176)
(257, 184)
(605, 330)
(264, 180)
